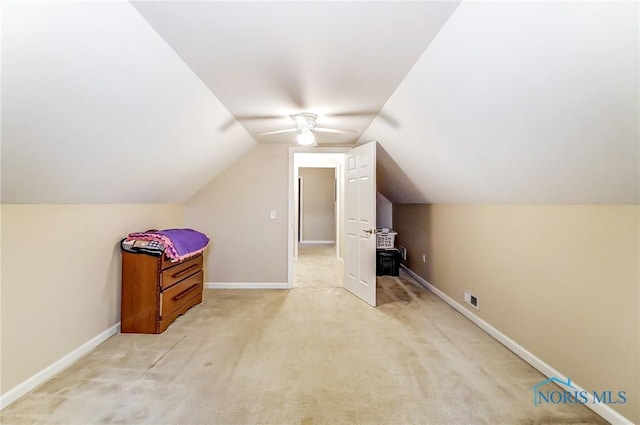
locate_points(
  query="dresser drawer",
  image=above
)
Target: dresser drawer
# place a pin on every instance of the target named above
(176, 296)
(165, 262)
(180, 271)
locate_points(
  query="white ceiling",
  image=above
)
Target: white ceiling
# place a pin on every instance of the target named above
(511, 102)
(519, 102)
(279, 58)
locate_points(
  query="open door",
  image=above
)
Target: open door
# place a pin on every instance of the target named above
(360, 226)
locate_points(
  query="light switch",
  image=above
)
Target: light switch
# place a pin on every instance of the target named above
(273, 214)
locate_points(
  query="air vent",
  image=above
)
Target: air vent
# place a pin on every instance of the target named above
(472, 300)
(403, 252)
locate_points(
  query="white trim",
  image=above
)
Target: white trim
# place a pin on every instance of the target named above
(48, 372)
(300, 207)
(246, 285)
(547, 370)
(318, 242)
(292, 231)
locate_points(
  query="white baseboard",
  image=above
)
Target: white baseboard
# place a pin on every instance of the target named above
(547, 370)
(48, 372)
(247, 285)
(317, 242)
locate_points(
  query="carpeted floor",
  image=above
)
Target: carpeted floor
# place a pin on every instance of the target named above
(317, 267)
(304, 356)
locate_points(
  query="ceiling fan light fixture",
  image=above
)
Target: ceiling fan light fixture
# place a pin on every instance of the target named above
(304, 119)
(306, 127)
(306, 138)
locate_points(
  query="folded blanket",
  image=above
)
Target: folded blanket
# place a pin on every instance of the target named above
(179, 243)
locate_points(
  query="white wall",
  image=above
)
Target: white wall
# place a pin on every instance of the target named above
(61, 277)
(318, 204)
(116, 106)
(519, 102)
(384, 212)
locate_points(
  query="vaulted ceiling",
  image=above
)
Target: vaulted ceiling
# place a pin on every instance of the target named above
(528, 102)
(266, 60)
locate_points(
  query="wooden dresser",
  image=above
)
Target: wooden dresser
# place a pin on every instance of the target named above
(156, 291)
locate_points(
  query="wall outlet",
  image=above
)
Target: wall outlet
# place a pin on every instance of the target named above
(424, 258)
(472, 300)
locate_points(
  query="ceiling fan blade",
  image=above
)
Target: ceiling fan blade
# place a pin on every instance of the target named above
(257, 117)
(334, 130)
(268, 133)
(233, 120)
(385, 117)
(353, 114)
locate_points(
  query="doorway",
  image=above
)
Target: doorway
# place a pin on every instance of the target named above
(317, 205)
(316, 217)
(318, 264)
(356, 213)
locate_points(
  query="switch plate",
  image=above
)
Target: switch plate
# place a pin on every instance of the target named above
(273, 214)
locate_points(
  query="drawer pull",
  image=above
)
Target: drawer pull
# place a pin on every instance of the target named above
(181, 272)
(186, 291)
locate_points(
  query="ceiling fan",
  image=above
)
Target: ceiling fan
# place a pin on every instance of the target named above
(306, 124)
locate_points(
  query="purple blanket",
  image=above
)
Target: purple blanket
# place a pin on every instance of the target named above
(186, 241)
(179, 243)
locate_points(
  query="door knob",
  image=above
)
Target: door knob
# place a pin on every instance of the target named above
(370, 231)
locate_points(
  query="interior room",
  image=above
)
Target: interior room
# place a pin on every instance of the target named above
(488, 152)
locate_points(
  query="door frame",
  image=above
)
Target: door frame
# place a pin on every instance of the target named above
(300, 211)
(293, 187)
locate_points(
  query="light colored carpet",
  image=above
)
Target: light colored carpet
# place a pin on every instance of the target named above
(317, 267)
(304, 356)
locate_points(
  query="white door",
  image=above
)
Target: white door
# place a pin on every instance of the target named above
(360, 213)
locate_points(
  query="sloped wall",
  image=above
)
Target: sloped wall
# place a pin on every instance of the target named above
(560, 280)
(518, 102)
(61, 277)
(97, 108)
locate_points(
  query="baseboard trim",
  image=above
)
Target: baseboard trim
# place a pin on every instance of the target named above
(317, 242)
(53, 369)
(547, 370)
(247, 285)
